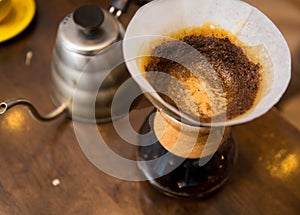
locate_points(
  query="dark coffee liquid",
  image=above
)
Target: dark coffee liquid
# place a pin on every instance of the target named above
(188, 179)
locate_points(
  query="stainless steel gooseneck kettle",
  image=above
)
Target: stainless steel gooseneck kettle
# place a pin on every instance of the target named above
(88, 42)
(87, 60)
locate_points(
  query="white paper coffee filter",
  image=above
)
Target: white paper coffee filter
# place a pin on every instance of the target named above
(162, 17)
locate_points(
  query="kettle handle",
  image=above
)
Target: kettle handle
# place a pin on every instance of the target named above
(118, 7)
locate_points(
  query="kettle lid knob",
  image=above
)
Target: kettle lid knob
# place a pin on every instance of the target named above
(88, 30)
(88, 18)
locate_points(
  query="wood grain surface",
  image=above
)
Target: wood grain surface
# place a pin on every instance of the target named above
(34, 154)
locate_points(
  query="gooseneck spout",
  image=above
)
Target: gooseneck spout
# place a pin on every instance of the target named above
(4, 106)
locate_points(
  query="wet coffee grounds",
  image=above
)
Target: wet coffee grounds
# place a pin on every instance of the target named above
(218, 66)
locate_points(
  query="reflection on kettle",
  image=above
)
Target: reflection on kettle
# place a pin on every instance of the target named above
(87, 65)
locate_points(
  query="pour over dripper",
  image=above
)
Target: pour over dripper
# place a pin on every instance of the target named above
(249, 26)
(247, 23)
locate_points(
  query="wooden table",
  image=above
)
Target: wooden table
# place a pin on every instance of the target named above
(33, 154)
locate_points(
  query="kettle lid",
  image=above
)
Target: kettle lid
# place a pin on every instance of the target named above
(88, 30)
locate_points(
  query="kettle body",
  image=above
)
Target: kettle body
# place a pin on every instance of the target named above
(87, 65)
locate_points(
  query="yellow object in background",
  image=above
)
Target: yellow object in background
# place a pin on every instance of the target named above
(5, 8)
(17, 19)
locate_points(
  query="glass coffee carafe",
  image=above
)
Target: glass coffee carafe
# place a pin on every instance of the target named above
(167, 165)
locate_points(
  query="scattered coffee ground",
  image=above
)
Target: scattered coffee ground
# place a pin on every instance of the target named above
(223, 66)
